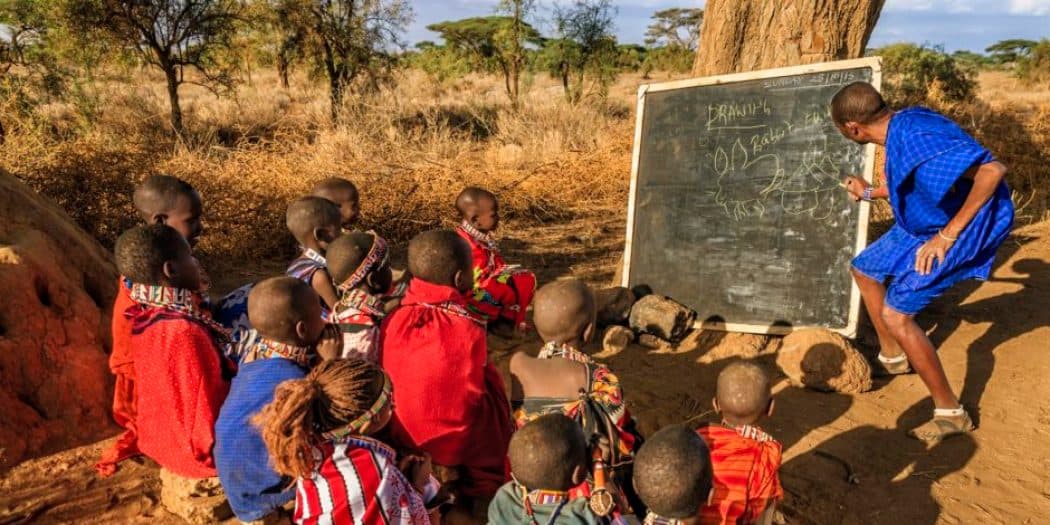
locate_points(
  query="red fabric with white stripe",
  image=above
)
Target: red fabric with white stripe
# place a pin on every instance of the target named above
(746, 479)
(357, 483)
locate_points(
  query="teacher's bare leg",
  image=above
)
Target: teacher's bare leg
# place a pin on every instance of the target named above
(874, 294)
(922, 354)
(949, 418)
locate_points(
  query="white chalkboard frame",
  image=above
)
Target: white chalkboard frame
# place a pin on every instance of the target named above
(875, 63)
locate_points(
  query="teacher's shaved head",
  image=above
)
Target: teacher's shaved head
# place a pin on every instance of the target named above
(858, 102)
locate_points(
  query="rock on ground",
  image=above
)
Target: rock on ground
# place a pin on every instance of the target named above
(661, 316)
(198, 501)
(616, 339)
(823, 360)
(58, 285)
(614, 305)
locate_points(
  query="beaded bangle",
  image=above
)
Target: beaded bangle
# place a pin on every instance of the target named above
(866, 195)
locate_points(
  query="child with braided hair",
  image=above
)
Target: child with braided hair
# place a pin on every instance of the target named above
(318, 430)
(358, 263)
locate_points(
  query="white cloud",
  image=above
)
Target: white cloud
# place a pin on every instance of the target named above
(1030, 7)
(944, 6)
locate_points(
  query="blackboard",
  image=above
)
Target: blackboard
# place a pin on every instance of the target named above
(736, 207)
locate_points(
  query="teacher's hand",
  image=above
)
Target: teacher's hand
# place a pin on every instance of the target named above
(855, 186)
(934, 250)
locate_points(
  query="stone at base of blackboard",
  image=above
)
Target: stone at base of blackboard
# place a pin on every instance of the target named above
(652, 342)
(614, 305)
(663, 317)
(823, 360)
(616, 339)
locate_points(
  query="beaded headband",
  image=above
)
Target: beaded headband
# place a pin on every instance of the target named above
(376, 258)
(361, 424)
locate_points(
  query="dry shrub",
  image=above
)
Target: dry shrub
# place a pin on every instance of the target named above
(410, 150)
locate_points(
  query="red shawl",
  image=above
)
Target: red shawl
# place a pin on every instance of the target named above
(745, 474)
(123, 367)
(182, 381)
(448, 399)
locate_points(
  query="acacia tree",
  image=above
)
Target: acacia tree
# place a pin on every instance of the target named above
(171, 35)
(493, 43)
(515, 39)
(584, 47)
(675, 27)
(744, 35)
(351, 41)
(1010, 51)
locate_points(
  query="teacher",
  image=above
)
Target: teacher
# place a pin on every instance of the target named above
(952, 211)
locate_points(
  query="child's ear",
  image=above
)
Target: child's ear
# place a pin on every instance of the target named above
(579, 474)
(588, 333)
(320, 235)
(300, 330)
(769, 411)
(711, 496)
(714, 403)
(171, 270)
(160, 218)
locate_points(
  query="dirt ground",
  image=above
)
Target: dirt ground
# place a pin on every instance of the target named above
(991, 337)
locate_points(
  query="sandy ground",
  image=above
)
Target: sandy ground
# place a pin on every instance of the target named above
(993, 342)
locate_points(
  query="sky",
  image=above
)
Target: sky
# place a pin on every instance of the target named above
(955, 24)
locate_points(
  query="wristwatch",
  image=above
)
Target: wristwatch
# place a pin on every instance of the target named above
(866, 195)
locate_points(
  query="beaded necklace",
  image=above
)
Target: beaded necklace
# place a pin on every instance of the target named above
(314, 256)
(181, 300)
(263, 348)
(565, 351)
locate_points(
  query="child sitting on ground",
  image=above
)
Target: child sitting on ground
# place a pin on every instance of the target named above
(548, 457)
(182, 377)
(289, 338)
(358, 264)
(318, 430)
(565, 380)
(450, 400)
(314, 222)
(160, 199)
(745, 459)
(672, 473)
(501, 292)
(345, 196)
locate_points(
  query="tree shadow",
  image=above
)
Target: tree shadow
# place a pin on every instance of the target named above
(873, 475)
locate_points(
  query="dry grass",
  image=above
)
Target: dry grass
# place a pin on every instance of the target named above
(410, 149)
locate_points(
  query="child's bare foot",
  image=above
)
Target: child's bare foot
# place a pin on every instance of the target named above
(946, 422)
(891, 366)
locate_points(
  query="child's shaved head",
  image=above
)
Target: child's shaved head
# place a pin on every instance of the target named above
(162, 199)
(278, 304)
(345, 196)
(743, 392)
(471, 197)
(548, 453)
(672, 472)
(858, 102)
(564, 310)
(142, 251)
(346, 253)
(308, 215)
(436, 256)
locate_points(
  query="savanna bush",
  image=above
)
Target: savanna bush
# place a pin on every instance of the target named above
(912, 73)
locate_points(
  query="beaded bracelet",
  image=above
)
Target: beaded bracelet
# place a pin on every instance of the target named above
(940, 233)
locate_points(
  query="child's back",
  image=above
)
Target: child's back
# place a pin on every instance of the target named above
(282, 308)
(548, 456)
(745, 459)
(449, 400)
(315, 223)
(318, 430)
(181, 376)
(160, 199)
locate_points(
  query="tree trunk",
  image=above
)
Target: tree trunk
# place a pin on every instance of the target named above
(171, 73)
(282, 69)
(745, 35)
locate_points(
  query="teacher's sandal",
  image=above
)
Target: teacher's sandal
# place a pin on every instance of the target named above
(946, 422)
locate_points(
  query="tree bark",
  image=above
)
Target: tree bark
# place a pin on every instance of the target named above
(171, 74)
(745, 35)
